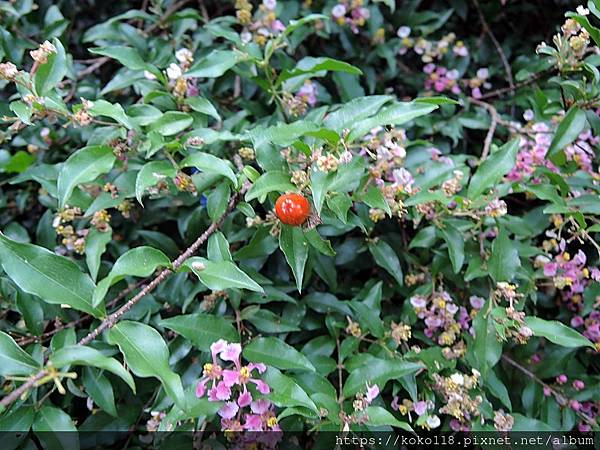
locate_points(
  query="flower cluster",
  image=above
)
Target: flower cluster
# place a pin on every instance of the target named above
(40, 55)
(441, 79)
(532, 152)
(442, 317)
(231, 386)
(430, 50)
(456, 393)
(351, 13)
(420, 408)
(362, 401)
(297, 105)
(72, 239)
(570, 272)
(263, 26)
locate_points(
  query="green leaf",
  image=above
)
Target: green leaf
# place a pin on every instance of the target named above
(202, 329)
(13, 359)
(295, 24)
(355, 110)
(396, 114)
(273, 180)
(150, 175)
(127, 56)
(215, 64)
(88, 356)
(147, 355)
(53, 278)
(456, 246)
(202, 105)
(114, 111)
(217, 202)
(493, 168)
(95, 245)
(137, 262)
(211, 164)
(171, 122)
(379, 416)
(22, 110)
(487, 349)
(311, 65)
(20, 420)
(567, 131)
(385, 257)
(557, 332)
(498, 390)
(221, 275)
(377, 371)
(100, 390)
(52, 72)
(274, 352)
(83, 166)
(285, 392)
(316, 241)
(217, 248)
(295, 248)
(55, 429)
(374, 198)
(505, 261)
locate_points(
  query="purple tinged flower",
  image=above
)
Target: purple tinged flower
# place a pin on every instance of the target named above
(476, 302)
(245, 399)
(201, 388)
(547, 391)
(221, 391)
(476, 93)
(403, 32)
(229, 410)
(231, 353)
(372, 392)
(483, 73)
(253, 422)
(270, 4)
(429, 68)
(578, 385)
(418, 301)
(258, 366)
(535, 358)
(575, 405)
(277, 26)
(577, 321)
(231, 377)
(260, 406)
(218, 347)
(262, 387)
(561, 379)
(420, 407)
(528, 115)
(584, 428)
(550, 269)
(338, 11)
(451, 308)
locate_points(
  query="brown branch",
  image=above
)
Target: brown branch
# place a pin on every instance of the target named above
(511, 89)
(488, 31)
(560, 398)
(487, 143)
(168, 13)
(93, 67)
(113, 318)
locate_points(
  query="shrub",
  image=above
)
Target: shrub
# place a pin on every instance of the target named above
(299, 216)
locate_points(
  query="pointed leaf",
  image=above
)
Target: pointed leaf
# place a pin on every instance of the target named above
(295, 248)
(13, 359)
(221, 275)
(202, 329)
(274, 352)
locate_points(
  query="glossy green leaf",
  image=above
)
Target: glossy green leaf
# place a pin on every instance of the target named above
(557, 332)
(137, 262)
(147, 355)
(377, 371)
(504, 261)
(55, 279)
(211, 164)
(221, 275)
(13, 359)
(456, 246)
(385, 257)
(295, 248)
(49, 74)
(202, 105)
(274, 352)
(493, 168)
(569, 128)
(95, 245)
(202, 329)
(88, 356)
(83, 166)
(171, 123)
(269, 182)
(151, 174)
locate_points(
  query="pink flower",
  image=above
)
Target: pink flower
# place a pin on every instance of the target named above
(263, 387)
(476, 302)
(201, 388)
(231, 352)
(372, 392)
(575, 405)
(260, 406)
(547, 391)
(476, 93)
(253, 422)
(577, 321)
(229, 410)
(561, 379)
(219, 392)
(277, 26)
(245, 399)
(578, 385)
(420, 408)
(550, 269)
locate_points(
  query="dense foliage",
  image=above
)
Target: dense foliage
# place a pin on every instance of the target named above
(435, 266)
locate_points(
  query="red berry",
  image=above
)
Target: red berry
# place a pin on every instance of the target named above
(292, 209)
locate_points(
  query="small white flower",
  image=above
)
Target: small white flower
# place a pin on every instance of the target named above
(452, 74)
(174, 71)
(582, 11)
(528, 115)
(246, 36)
(338, 11)
(483, 73)
(183, 55)
(403, 32)
(270, 4)
(149, 75)
(433, 421)
(197, 265)
(458, 379)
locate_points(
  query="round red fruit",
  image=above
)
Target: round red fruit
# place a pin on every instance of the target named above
(292, 209)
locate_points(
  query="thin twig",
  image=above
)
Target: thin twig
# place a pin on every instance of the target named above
(92, 68)
(113, 318)
(168, 13)
(558, 395)
(488, 31)
(487, 143)
(512, 89)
